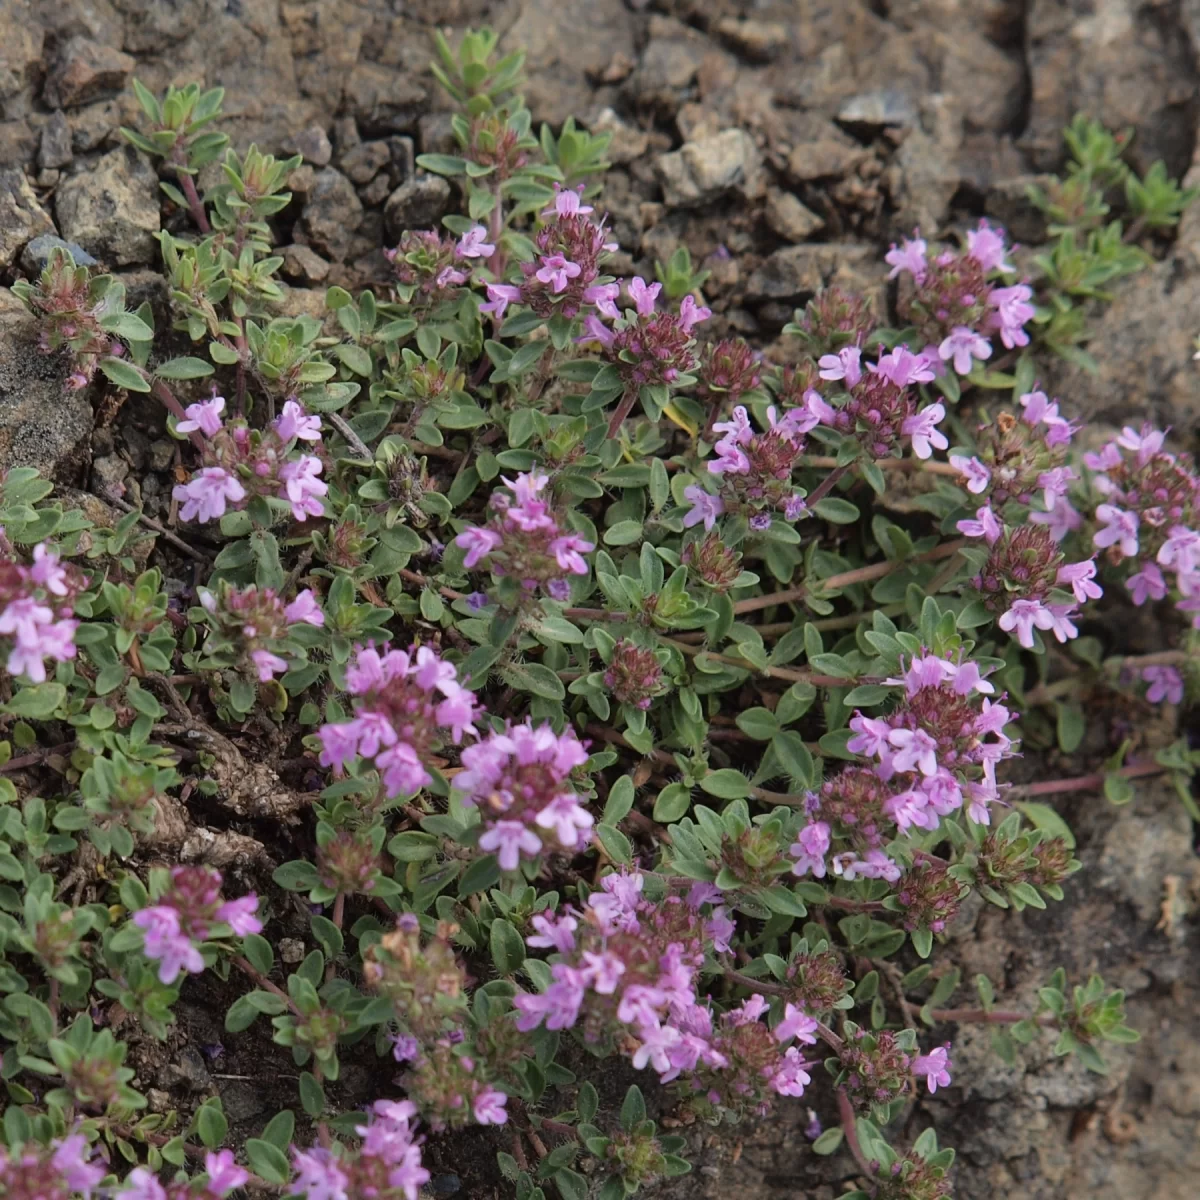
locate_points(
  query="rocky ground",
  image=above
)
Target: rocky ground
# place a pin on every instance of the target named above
(784, 143)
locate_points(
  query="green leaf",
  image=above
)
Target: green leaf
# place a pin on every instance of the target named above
(571, 1185)
(124, 375)
(829, 1141)
(312, 1094)
(267, 1160)
(794, 757)
(186, 367)
(726, 784)
(507, 946)
(535, 678)
(280, 1128)
(672, 802)
(758, 723)
(38, 702)
(1043, 817)
(482, 874)
(633, 1109)
(840, 512)
(258, 952)
(328, 936)
(620, 801)
(616, 844)
(1071, 727)
(211, 1125)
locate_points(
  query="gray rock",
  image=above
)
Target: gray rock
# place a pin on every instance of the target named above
(20, 48)
(877, 109)
(384, 100)
(332, 214)
(291, 950)
(417, 203)
(188, 1071)
(364, 161)
(929, 167)
(85, 70)
(300, 262)
(790, 219)
(21, 216)
(1007, 201)
(112, 210)
(796, 272)
(18, 143)
(109, 473)
(377, 191)
(704, 170)
(42, 424)
(761, 40)
(37, 254)
(93, 125)
(435, 132)
(55, 149)
(313, 143)
(826, 158)
(404, 157)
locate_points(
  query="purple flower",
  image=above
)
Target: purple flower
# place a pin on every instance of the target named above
(478, 543)
(223, 1173)
(871, 736)
(306, 609)
(985, 526)
(405, 1048)
(796, 1024)
(603, 296)
(845, 364)
(474, 244)
(204, 496)
(164, 941)
(239, 915)
(477, 601)
(915, 750)
(643, 295)
(876, 865)
(705, 507)
(922, 429)
(1023, 617)
(511, 839)
(553, 931)
(904, 368)
(986, 246)
(557, 272)
(760, 522)
(567, 203)
(141, 1184)
(977, 475)
(602, 972)
(568, 819)
(961, 346)
(595, 330)
(205, 417)
(720, 928)
(790, 1076)
(1147, 584)
(691, 313)
(908, 256)
(1079, 576)
(267, 665)
(1013, 310)
(1146, 443)
(489, 1107)
(1061, 519)
(318, 1175)
(568, 552)
(809, 849)
(1165, 684)
(72, 1159)
(294, 422)
(657, 1040)
(557, 1006)
(302, 487)
(500, 296)
(935, 1066)
(1181, 550)
(1120, 529)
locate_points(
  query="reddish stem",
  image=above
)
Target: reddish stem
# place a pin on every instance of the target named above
(984, 1016)
(621, 412)
(195, 204)
(1086, 783)
(262, 981)
(850, 1129)
(825, 486)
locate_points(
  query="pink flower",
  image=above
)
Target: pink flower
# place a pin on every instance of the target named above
(985, 526)
(46, 570)
(474, 244)
(1146, 443)
(922, 428)
(967, 679)
(478, 543)
(204, 496)
(961, 346)
(1120, 529)
(553, 931)
(267, 665)
(569, 820)
(1055, 484)
(500, 296)
(908, 256)
(304, 608)
(567, 203)
(1062, 621)
(1013, 310)
(294, 422)
(796, 1024)
(318, 1175)
(876, 865)
(1165, 684)
(904, 368)
(557, 1006)
(790, 1077)
(1147, 584)
(223, 1173)
(239, 915)
(915, 750)
(1079, 576)
(643, 295)
(568, 551)
(489, 1107)
(656, 1042)
(1061, 519)
(935, 1066)
(871, 738)
(557, 272)
(205, 417)
(1181, 550)
(595, 330)
(720, 928)
(705, 507)
(602, 971)
(302, 487)
(604, 296)
(165, 942)
(1023, 617)
(141, 1184)
(511, 839)
(910, 807)
(691, 313)
(809, 849)
(986, 246)
(845, 364)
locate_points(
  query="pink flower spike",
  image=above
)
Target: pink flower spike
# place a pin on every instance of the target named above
(1120, 529)
(489, 1107)
(1165, 684)
(478, 543)
(962, 346)
(922, 429)
(205, 495)
(302, 488)
(1147, 584)
(304, 608)
(604, 297)
(267, 665)
(935, 1066)
(977, 475)
(796, 1024)
(239, 915)
(511, 839)
(705, 507)
(985, 526)
(986, 246)
(223, 1173)
(500, 296)
(643, 295)
(691, 313)
(294, 422)
(908, 256)
(205, 417)
(594, 330)
(474, 244)
(810, 848)
(557, 272)
(1023, 617)
(1079, 577)
(845, 364)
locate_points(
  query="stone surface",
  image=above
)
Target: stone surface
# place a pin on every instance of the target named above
(85, 70)
(21, 216)
(418, 203)
(112, 210)
(363, 162)
(384, 100)
(331, 214)
(37, 253)
(300, 262)
(703, 171)
(790, 219)
(796, 272)
(42, 424)
(20, 47)
(313, 143)
(55, 150)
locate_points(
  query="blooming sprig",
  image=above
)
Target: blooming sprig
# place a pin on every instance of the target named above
(252, 625)
(187, 913)
(241, 463)
(61, 1170)
(221, 1176)
(36, 609)
(408, 704)
(518, 780)
(429, 267)
(524, 543)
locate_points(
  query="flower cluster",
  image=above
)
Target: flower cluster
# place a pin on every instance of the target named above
(957, 301)
(565, 276)
(63, 1169)
(189, 911)
(518, 780)
(387, 1165)
(36, 606)
(253, 622)
(240, 462)
(428, 266)
(648, 348)
(728, 369)
(880, 408)
(634, 674)
(524, 543)
(628, 966)
(409, 703)
(1149, 517)
(222, 1176)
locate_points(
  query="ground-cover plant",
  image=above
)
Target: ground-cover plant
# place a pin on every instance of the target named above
(644, 721)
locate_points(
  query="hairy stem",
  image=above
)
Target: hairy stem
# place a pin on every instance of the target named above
(621, 412)
(825, 486)
(850, 1129)
(1086, 783)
